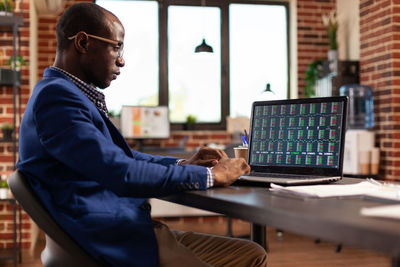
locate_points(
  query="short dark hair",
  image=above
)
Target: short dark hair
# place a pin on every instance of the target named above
(87, 17)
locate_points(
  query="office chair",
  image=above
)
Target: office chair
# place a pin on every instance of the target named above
(61, 250)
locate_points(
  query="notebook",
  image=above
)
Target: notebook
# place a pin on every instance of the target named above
(297, 141)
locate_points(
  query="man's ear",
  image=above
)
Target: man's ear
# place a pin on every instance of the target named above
(81, 42)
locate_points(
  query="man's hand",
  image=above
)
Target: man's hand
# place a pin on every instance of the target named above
(228, 170)
(206, 156)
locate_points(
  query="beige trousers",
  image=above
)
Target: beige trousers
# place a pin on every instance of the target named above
(177, 248)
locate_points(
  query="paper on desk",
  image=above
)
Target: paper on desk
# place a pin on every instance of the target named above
(365, 188)
(388, 211)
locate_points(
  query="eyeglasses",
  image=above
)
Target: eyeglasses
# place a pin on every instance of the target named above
(117, 45)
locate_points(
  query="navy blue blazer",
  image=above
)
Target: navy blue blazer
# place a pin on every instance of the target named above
(89, 179)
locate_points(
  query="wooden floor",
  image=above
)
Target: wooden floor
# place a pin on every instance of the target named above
(285, 251)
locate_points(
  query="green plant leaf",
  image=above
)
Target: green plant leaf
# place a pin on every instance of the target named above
(7, 126)
(313, 73)
(10, 6)
(191, 119)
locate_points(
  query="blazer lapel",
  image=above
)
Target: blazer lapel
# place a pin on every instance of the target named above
(118, 139)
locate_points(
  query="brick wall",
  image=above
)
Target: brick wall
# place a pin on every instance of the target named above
(380, 69)
(47, 43)
(312, 40)
(6, 92)
(7, 227)
(6, 115)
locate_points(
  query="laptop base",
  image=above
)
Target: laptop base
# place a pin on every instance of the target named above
(286, 181)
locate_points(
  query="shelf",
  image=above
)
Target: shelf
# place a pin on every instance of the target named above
(8, 78)
(8, 141)
(11, 20)
(8, 83)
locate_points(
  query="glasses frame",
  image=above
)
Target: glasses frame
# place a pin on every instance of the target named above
(120, 45)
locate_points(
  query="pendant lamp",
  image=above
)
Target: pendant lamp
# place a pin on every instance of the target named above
(203, 47)
(267, 94)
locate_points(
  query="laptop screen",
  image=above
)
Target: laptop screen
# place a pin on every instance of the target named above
(298, 135)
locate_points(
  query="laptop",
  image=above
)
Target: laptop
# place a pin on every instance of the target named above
(297, 141)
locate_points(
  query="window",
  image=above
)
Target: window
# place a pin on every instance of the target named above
(138, 82)
(250, 43)
(258, 54)
(194, 79)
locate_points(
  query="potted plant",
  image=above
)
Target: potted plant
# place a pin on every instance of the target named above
(330, 22)
(313, 73)
(6, 7)
(3, 181)
(16, 65)
(190, 121)
(7, 74)
(7, 129)
(3, 187)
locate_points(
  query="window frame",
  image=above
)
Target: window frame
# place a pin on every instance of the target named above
(163, 90)
(163, 54)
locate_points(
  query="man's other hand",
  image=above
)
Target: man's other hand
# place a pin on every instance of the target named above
(206, 156)
(228, 170)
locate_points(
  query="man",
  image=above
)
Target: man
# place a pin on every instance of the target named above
(88, 178)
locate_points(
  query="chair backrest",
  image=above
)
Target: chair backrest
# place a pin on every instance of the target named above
(61, 249)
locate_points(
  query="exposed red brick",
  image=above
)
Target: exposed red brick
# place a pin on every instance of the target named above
(387, 145)
(171, 144)
(24, 245)
(312, 41)
(24, 226)
(25, 235)
(5, 236)
(6, 217)
(200, 137)
(6, 158)
(220, 136)
(177, 136)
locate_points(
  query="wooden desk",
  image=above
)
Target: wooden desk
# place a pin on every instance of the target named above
(332, 219)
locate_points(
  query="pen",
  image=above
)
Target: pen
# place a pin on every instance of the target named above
(246, 135)
(244, 141)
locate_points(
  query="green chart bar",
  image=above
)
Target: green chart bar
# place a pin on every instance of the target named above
(309, 159)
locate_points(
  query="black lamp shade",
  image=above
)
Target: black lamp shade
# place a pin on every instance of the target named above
(204, 47)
